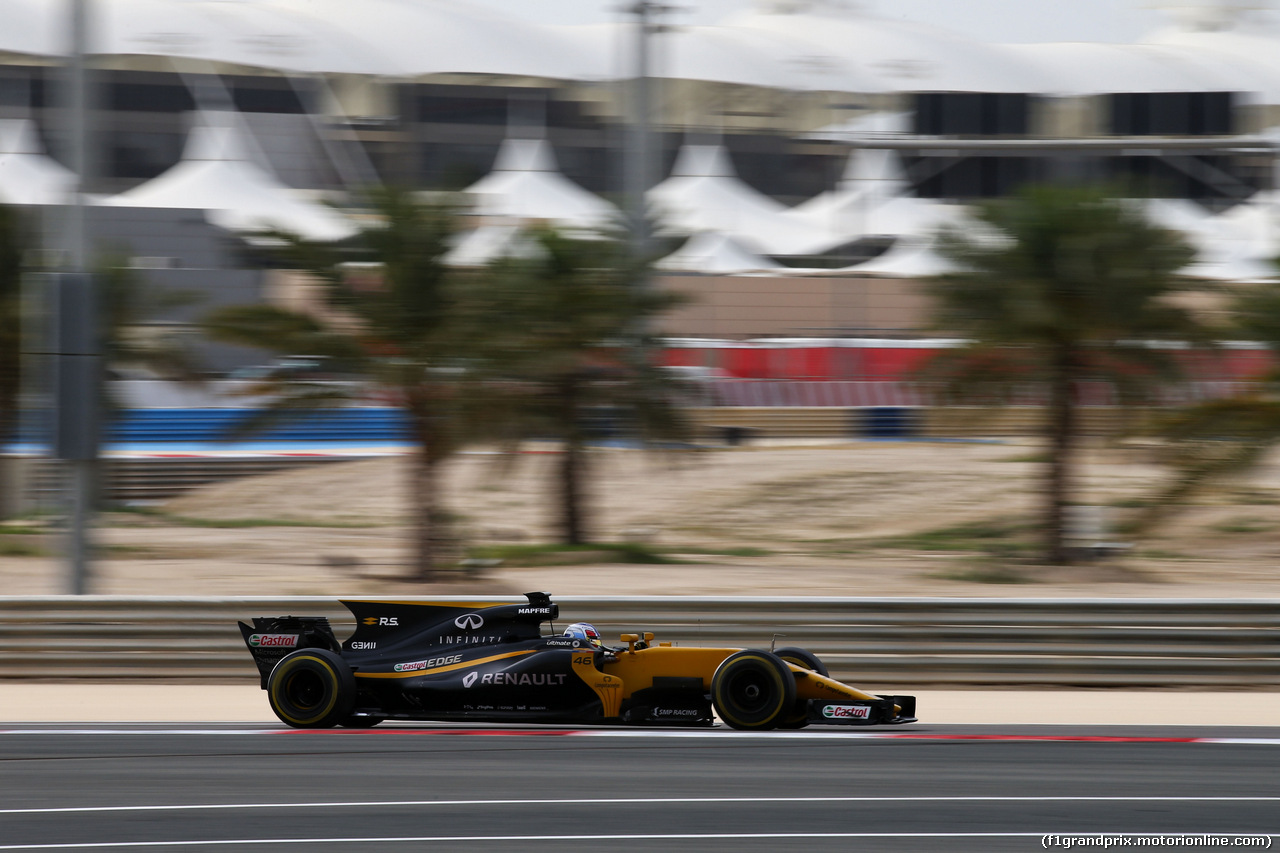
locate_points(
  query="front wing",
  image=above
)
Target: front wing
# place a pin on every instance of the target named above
(892, 710)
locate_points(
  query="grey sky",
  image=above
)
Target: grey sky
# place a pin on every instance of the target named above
(987, 20)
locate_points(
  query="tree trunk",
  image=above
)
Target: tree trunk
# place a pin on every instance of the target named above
(1060, 430)
(10, 483)
(12, 487)
(423, 488)
(573, 522)
(573, 525)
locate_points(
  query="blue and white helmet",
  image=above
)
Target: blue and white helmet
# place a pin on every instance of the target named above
(584, 631)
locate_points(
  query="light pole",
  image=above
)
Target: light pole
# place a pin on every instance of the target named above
(639, 161)
(76, 318)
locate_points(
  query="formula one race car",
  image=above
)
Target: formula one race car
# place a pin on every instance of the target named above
(486, 663)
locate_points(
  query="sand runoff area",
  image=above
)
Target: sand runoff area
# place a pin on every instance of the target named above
(816, 519)
(848, 519)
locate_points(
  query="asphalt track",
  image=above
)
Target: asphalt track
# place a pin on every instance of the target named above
(247, 787)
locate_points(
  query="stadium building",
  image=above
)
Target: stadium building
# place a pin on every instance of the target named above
(804, 152)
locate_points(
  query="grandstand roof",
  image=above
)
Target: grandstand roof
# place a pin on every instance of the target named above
(1255, 53)
(723, 54)
(904, 56)
(393, 38)
(819, 45)
(1091, 69)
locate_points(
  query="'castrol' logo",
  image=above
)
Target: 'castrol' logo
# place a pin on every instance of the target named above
(844, 712)
(426, 664)
(279, 641)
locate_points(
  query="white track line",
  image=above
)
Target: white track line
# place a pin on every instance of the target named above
(638, 801)
(708, 836)
(720, 734)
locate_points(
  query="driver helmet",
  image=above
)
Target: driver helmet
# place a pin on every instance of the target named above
(584, 631)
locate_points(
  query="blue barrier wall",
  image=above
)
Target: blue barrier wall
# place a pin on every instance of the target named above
(147, 426)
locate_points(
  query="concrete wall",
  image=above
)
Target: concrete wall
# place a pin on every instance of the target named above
(767, 306)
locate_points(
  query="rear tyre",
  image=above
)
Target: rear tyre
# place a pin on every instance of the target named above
(312, 689)
(753, 690)
(799, 717)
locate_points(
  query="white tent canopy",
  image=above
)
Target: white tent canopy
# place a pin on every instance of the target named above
(1243, 243)
(216, 176)
(1236, 245)
(910, 258)
(872, 176)
(704, 194)
(864, 127)
(525, 184)
(1231, 269)
(490, 242)
(27, 175)
(713, 253)
(871, 201)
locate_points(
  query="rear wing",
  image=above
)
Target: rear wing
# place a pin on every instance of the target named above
(271, 638)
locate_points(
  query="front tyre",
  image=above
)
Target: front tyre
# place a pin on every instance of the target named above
(799, 716)
(312, 689)
(753, 690)
(802, 658)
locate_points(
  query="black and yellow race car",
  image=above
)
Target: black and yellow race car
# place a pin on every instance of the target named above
(480, 662)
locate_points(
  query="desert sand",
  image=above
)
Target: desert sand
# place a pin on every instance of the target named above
(844, 519)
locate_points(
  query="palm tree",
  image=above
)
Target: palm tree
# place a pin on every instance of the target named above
(13, 240)
(567, 351)
(1059, 287)
(132, 337)
(1217, 439)
(393, 320)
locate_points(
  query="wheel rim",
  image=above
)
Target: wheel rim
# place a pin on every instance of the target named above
(749, 692)
(304, 690)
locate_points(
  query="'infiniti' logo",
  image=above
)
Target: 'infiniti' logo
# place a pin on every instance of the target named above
(469, 620)
(470, 679)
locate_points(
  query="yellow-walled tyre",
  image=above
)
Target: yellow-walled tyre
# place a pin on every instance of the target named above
(802, 658)
(312, 689)
(753, 690)
(799, 716)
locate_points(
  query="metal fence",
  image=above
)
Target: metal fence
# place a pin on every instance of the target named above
(873, 642)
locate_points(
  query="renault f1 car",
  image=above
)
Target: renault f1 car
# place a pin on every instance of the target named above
(480, 662)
